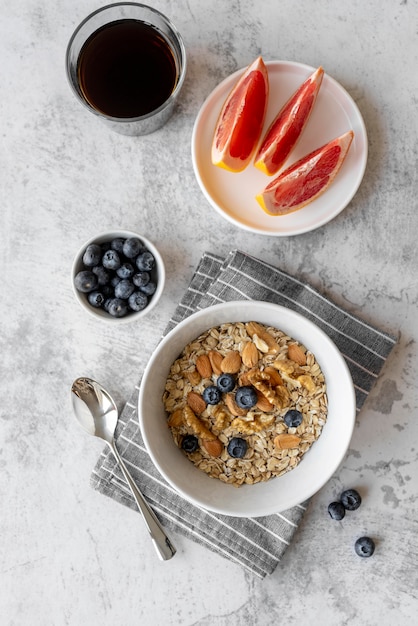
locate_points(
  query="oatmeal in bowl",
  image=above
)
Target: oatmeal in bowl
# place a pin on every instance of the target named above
(251, 395)
(245, 402)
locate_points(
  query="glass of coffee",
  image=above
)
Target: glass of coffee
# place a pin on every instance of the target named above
(126, 63)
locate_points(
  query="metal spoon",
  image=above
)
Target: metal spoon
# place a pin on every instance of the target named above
(97, 413)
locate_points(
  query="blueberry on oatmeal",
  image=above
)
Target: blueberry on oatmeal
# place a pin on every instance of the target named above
(211, 395)
(246, 397)
(189, 443)
(293, 418)
(225, 383)
(237, 447)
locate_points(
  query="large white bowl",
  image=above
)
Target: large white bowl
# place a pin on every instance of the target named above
(277, 494)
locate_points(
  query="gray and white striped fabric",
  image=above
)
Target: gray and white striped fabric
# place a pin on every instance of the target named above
(256, 544)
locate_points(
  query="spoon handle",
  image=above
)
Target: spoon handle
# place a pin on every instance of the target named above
(162, 543)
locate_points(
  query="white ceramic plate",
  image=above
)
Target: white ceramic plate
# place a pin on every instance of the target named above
(275, 495)
(233, 195)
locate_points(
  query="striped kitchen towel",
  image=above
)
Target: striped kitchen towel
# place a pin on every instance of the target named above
(256, 544)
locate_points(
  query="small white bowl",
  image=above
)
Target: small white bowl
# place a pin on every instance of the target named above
(277, 494)
(157, 275)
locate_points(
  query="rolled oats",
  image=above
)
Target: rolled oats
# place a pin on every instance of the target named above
(285, 376)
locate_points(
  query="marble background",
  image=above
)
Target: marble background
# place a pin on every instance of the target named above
(68, 554)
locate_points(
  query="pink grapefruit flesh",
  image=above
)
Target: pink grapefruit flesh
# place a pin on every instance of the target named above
(240, 123)
(286, 129)
(307, 179)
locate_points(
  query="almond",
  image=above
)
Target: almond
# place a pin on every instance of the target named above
(233, 406)
(203, 366)
(196, 402)
(176, 419)
(263, 404)
(214, 447)
(215, 359)
(253, 328)
(261, 344)
(231, 363)
(286, 442)
(194, 377)
(250, 355)
(296, 354)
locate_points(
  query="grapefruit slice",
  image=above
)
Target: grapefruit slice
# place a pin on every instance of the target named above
(285, 130)
(241, 119)
(307, 179)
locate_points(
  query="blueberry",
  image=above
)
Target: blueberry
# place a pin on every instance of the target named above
(117, 244)
(124, 289)
(293, 418)
(107, 290)
(111, 260)
(126, 270)
(116, 307)
(364, 546)
(96, 299)
(246, 397)
(103, 276)
(115, 280)
(132, 247)
(141, 278)
(237, 448)
(145, 262)
(107, 302)
(92, 255)
(336, 511)
(211, 395)
(85, 281)
(189, 443)
(226, 383)
(137, 301)
(350, 499)
(149, 288)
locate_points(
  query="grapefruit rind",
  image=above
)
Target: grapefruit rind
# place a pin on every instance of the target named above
(241, 119)
(294, 182)
(287, 127)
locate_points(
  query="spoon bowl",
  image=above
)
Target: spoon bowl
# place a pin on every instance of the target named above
(97, 413)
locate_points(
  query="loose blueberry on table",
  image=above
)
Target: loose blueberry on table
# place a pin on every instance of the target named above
(364, 546)
(350, 499)
(336, 510)
(117, 276)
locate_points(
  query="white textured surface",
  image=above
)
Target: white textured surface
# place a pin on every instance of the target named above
(63, 178)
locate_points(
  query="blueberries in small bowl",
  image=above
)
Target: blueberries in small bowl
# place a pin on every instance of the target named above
(118, 276)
